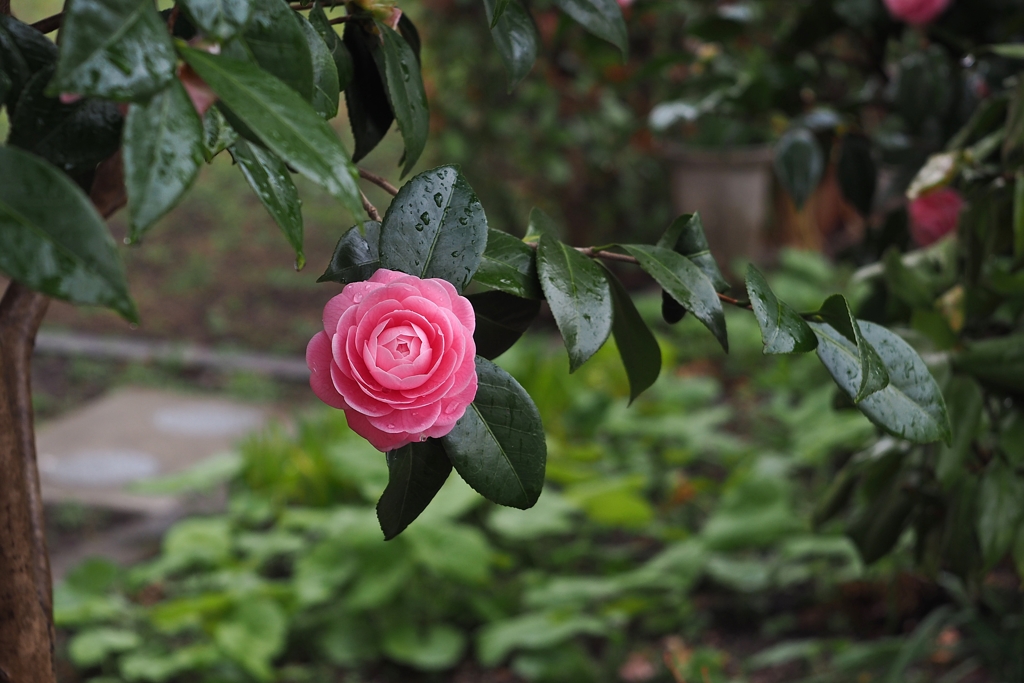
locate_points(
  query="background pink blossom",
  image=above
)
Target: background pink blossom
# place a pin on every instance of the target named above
(934, 215)
(916, 11)
(397, 355)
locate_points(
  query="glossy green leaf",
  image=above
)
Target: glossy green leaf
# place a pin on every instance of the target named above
(541, 224)
(501, 319)
(276, 39)
(163, 150)
(671, 310)
(497, 12)
(873, 375)
(339, 53)
(638, 348)
(326, 88)
(366, 97)
(799, 164)
(509, 265)
(286, 124)
(579, 296)
(218, 19)
(1018, 217)
(52, 239)
(73, 137)
(357, 255)
(498, 446)
(603, 18)
(435, 227)
(24, 51)
(686, 236)
(218, 134)
(1001, 510)
(411, 34)
(5, 87)
(269, 178)
(878, 527)
(782, 329)
(516, 38)
(687, 284)
(998, 361)
(415, 474)
(405, 93)
(911, 406)
(857, 173)
(905, 284)
(115, 49)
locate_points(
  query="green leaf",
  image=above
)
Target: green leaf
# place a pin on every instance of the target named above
(415, 474)
(357, 255)
(114, 49)
(671, 310)
(411, 34)
(218, 19)
(24, 51)
(509, 265)
(326, 86)
(534, 630)
(52, 239)
(218, 134)
(603, 18)
(73, 137)
(501, 319)
(782, 329)
(1018, 217)
(911, 406)
(163, 150)
(286, 124)
(498, 446)
(269, 178)
(540, 224)
(678, 276)
(579, 296)
(1008, 50)
(277, 41)
(799, 164)
(1001, 511)
(873, 375)
(253, 635)
(90, 648)
(405, 93)
(339, 53)
(965, 403)
(998, 361)
(637, 346)
(857, 173)
(515, 36)
(686, 236)
(437, 648)
(435, 227)
(905, 284)
(366, 97)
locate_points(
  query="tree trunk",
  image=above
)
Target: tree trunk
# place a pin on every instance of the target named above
(26, 595)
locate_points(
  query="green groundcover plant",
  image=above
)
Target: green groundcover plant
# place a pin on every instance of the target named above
(135, 100)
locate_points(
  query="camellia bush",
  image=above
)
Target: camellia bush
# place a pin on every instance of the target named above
(132, 104)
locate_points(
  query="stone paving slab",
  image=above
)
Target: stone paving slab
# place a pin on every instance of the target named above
(92, 455)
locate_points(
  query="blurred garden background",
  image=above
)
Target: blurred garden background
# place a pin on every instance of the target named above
(703, 534)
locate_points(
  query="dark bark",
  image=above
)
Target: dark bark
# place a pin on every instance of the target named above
(26, 595)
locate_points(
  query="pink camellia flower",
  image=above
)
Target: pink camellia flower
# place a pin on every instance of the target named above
(916, 11)
(397, 355)
(934, 215)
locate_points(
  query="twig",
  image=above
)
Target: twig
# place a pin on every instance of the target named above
(371, 210)
(49, 24)
(378, 181)
(172, 19)
(339, 20)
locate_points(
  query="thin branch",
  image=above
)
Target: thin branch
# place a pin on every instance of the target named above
(378, 181)
(49, 24)
(371, 210)
(339, 20)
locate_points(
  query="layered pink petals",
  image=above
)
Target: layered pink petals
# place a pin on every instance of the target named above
(934, 215)
(916, 11)
(397, 355)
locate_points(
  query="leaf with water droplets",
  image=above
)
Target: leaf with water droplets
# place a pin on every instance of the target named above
(366, 97)
(356, 257)
(426, 238)
(218, 19)
(278, 42)
(910, 406)
(874, 377)
(686, 236)
(115, 49)
(269, 178)
(498, 446)
(405, 92)
(509, 265)
(326, 87)
(415, 474)
(579, 296)
(782, 329)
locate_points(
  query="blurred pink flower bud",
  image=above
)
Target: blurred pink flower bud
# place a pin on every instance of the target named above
(69, 98)
(625, 3)
(394, 18)
(201, 95)
(916, 11)
(934, 215)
